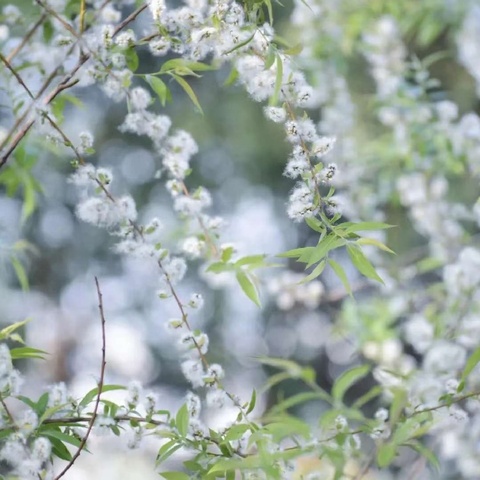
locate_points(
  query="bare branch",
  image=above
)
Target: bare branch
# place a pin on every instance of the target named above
(26, 38)
(63, 85)
(100, 387)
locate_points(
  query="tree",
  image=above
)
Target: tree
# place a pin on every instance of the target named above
(397, 389)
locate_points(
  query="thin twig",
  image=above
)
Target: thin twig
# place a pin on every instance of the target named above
(16, 75)
(63, 85)
(26, 38)
(100, 387)
(117, 418)
(7, 411)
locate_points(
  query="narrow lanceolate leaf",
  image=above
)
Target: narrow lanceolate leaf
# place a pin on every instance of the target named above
(252, 402)
(362, 263)
(20, 273)
(347, 379)
(160, 88)
(188, 90)
(317, 271)
(278, 82)
(315, 224)
(181, 420)
(250, 260)
(327, 244)
(94, 392)
(472, 362)
(27, 352)
(374, 243)
(340, 273)
(297, 252)
(350, 227)
(248, 287)
(7, 331)
(175, 476)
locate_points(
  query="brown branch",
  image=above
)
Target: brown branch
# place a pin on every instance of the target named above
(117, 418)
(129, 19)
(26, 38)
(100, 387)
(445, 405)
(55, 15)
(16, 75)
(7, 411)
(63, 85)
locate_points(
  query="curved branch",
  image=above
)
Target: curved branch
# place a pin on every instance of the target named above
(100, 387)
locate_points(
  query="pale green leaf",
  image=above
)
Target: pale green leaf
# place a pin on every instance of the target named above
(347, 379)
(375, 243)
(175, 476)
(188, 90)
(20, 272)
(385, 454)
(248, 287)
(182, 420)
(340, 273)
(362, 263)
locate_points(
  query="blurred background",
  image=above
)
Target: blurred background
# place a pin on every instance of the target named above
(241, 159)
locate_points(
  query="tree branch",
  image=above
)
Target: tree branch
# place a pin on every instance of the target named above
(100, 387)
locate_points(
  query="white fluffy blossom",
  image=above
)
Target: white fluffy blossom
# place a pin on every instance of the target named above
(103, 212)
(193, 371)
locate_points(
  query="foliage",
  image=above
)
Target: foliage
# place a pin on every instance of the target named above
(405, 399)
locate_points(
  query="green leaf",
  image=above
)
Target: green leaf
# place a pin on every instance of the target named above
(376, 391)
(240, 45)
(251, 260)
(232, 77)
(236, 431)
(182, 420)
(248, 287)
(425, 452)
(94, 392)
(296, 252)
(7, 331)
(317, 271)
(294, 369)
(227, 254)
(278, 82)
(181, 66)
(20, 273)
(51, 411)
(29, 197)
(252, 402)
(27, 352)
(219, 267)
(63, 437)
(268, 3)
(347, 379)
(375, 243)
(350, 227)
(472, 362)
(397, 405)
(167, 449)
(60, 450)
(188, 90)
(315, 224)
(175, 476)
(160, 88)
(385, 454)
(325, 245)
(362, 264)
(340, 273)
(131, 58)
(298, 399)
